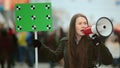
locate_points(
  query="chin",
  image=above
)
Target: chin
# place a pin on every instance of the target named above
(82, 34)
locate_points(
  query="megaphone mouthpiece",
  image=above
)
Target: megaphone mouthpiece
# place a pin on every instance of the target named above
(87, 31)
(90, 30)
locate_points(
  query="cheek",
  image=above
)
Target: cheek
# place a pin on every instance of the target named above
(77, 29)
(78, 26)
(86, 26)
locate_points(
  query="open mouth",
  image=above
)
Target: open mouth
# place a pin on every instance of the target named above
(82, 30)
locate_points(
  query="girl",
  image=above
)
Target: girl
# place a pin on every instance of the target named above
(78, 50)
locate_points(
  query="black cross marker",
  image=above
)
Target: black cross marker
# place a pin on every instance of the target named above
(19, 18)
(18, 7)
(19, 27)
(48, 27)
(33, 27)
(47, 16)
(33, 17)
(33, 7)
(47, 6)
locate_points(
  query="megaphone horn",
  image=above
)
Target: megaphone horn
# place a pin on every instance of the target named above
(103, 27)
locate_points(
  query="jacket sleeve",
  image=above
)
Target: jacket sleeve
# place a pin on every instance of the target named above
(102, 53)
(56, 55)
(106, 56)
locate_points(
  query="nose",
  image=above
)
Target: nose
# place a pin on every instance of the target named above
(83, 25)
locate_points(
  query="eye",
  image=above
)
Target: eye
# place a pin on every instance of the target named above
(79, 23)
(85, 23)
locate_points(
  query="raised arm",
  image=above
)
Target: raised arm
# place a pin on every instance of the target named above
(51, 54)
(54, 55)
(106, 56)
(103, 54)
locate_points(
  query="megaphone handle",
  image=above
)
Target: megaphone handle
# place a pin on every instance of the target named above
(96, 39)
(93, 36)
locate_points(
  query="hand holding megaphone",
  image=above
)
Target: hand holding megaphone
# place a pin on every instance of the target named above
(103, 27)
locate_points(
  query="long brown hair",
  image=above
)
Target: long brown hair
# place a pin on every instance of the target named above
(77, 52)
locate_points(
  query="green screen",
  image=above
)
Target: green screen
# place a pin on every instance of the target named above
(33, 17)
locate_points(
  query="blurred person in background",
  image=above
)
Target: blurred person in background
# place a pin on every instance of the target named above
(22, 46)
(15, 45)
(113, 45)
(78, 49)
(6, 47)
(30, 49)
(2, 56)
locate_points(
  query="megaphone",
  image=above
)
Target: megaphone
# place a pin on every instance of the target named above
(103, 27)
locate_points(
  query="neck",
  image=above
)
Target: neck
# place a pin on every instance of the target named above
(78, 37)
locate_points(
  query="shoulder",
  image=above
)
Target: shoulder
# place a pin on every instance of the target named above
(87, 38)
(64, 39)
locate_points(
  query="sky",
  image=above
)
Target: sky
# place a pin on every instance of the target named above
(91, 8)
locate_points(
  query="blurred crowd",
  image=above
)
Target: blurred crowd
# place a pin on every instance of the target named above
(17, 47)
